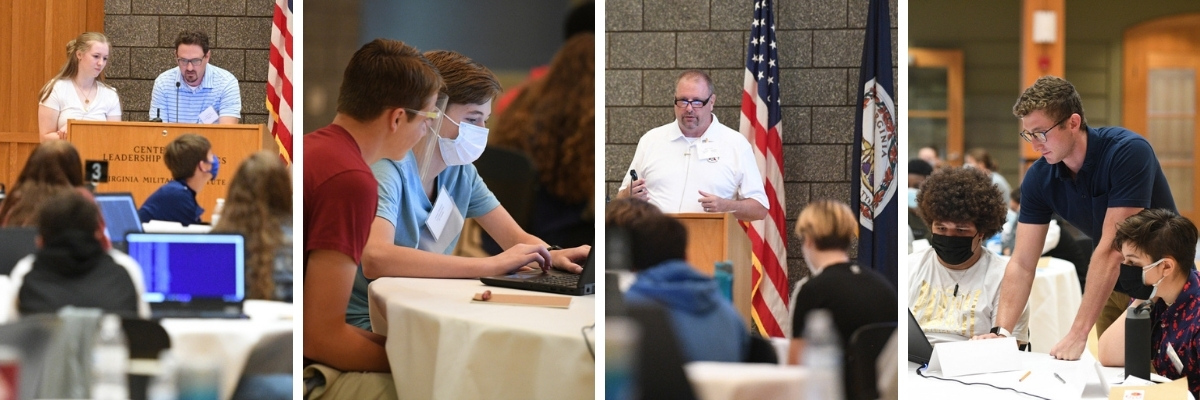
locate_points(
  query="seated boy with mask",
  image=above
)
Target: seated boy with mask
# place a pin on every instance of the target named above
(954, 286)
(192, 165)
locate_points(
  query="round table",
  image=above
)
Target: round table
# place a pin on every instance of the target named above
(441, 345)
(732, 381)
(1053, 302)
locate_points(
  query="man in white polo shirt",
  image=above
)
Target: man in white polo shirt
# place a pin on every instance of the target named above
(195, 92)
(696, 164)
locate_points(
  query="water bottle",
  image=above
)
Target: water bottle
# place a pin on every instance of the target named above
(723, 274)
(164, 386)
(110, 361)
(1137, 341)
(216, 215)
(822, 356)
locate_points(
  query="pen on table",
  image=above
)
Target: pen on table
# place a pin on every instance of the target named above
(1024, 376)
(1060, 379)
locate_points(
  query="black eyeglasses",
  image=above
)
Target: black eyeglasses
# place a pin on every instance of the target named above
(682, 103)
(1041, 136)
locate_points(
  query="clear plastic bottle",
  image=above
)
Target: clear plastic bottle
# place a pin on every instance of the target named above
(164, 385)
(110, 361)
(822, 356)
(216, 215)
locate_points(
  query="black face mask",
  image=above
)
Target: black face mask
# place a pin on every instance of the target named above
(953, 250)
(1130, 282)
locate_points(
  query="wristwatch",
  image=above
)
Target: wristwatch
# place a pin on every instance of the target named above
(1001, 331)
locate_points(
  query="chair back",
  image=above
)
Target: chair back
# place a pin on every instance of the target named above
(510, 176)
(15, 244)
(865, 345)
(268, 371)
(761, 351)
(146, 338)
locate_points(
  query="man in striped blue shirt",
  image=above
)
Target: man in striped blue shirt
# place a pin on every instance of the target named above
(195, 92)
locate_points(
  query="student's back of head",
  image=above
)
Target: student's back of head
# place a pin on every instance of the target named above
(385, 74)
(184, 153)
(54, 167)
(258, 205)
(654, 237)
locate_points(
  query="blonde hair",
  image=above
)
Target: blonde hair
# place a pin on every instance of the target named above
(257, 205)
(80, 44)
(830, 224)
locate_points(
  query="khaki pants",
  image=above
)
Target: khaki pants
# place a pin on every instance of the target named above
(348, 385)
(1116, 304)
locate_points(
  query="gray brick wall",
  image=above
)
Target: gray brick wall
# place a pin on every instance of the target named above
(648, 42)
(142, 32)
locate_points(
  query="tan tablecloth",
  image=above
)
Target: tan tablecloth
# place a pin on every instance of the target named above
(442, 346)
(1053, 301)
(735, 381)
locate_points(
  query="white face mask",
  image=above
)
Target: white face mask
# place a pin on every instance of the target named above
(812, 269)
(467, 148)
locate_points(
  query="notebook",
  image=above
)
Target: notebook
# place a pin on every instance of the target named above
(15, 244)
(120, 216)
(553, 282)
(191, 275)
(919, 349)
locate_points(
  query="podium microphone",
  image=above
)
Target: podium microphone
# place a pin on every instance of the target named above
(177, 102)
(157, 115)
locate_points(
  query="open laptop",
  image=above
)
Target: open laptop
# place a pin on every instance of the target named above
(15, 244)
(553, 282)
(191, 275)
(120, 216)
(919, 349)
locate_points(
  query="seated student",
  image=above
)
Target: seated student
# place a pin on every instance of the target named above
(708, 327)
(954, 286)
(401, 243)
(1159, 249)
(192, 165)
(75, 264)
(855, 296)
(259, 206)
(53, 168)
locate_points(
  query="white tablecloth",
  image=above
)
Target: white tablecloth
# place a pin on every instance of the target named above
(227, 341)
(917, 387)
(1053, 301)
(442, 346)
(733, 381)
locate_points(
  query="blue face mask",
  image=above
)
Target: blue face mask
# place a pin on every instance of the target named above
(216, 166)
(912, 197)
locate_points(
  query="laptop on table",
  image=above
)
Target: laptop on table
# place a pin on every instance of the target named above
(120, 216)
(553, 282)
(191, 275)
(919, 349)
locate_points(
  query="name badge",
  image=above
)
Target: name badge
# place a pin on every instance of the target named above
(209, 115)
(708, 150)
(440, 214)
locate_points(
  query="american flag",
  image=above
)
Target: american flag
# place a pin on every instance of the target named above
(760, 124)
(279, 80)
(875, 131)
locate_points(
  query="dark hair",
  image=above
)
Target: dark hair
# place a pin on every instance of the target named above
(65, 212)
(1055, 96)
(386, 74)
(1159, 233)
(981, 156)
(962, 195)
(654, 237)
(184, 153)
(919, 167)
(466, 81)
(582, 19)
(53, 167)
(258, 204)
(193, 38)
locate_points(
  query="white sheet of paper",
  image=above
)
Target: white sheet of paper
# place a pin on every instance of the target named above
(209, 115)
(441, 213)
(970, 357)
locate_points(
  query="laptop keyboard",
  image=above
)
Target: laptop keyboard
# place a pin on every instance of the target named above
(557, 280)
(159, 314)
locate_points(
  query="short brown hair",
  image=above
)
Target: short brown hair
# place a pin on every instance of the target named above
(963, 195)
(829, 224)
(193, 38)
(653, 236)
(696, 74)
(466, 81)
(1159, 233)
(184, 153)
(386, 74)
(1056, 98)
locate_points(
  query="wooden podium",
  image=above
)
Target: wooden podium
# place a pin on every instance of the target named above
(714, 237)
(134, 151)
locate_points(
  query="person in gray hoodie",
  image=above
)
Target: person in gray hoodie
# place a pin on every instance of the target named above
(707, 326)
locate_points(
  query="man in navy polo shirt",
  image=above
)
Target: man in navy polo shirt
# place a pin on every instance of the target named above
(192, 165)
(1094, 178)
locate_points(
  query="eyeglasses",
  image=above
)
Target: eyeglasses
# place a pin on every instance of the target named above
(435, 114)
(682, 103)
(195, 62)
(1041, 136)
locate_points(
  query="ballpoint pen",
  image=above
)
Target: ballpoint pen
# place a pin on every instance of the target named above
(1060, 379)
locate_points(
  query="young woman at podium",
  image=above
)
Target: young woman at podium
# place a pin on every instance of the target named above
(78, 91)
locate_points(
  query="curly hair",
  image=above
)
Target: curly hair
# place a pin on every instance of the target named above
(554, 122)
(1159, 233)
(258, 204)
(53, 168)
(1055, 96)
(962, 195)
